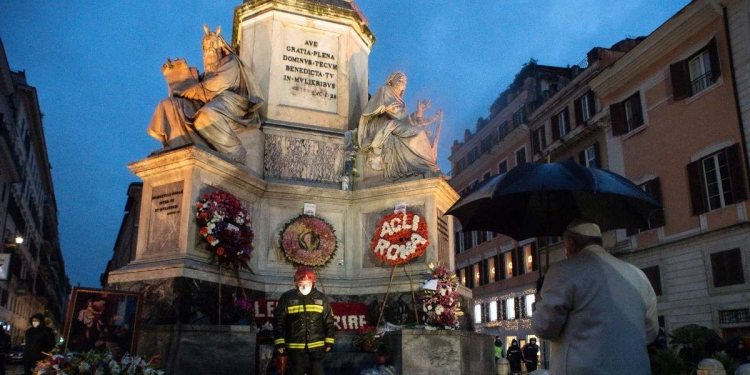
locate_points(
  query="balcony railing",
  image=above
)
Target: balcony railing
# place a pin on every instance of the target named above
(701, 83)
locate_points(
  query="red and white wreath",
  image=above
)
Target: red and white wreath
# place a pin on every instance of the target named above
(400, 237)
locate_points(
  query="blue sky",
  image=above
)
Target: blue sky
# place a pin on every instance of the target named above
(96, 67)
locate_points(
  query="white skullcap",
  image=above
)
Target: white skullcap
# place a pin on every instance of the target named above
(584, 228)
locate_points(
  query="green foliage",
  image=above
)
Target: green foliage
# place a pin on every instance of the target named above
(730, 365)
(697, 342)
(667, 362)
(368, 341)
(502, 100)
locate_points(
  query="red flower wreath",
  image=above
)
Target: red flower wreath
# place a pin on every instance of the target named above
(225, 226)
(308, 240)
(400, 237)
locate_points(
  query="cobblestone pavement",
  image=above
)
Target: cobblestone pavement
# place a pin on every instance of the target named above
(13, 369)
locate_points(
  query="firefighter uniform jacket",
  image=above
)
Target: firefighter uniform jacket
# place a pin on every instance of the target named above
(303, 322)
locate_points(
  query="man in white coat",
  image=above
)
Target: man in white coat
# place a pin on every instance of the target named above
(599, 312)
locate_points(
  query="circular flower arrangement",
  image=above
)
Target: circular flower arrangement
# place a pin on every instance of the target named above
(224, 225)
(308, 240)
(400, 237)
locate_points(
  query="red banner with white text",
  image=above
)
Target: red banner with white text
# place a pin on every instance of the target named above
(349, 316)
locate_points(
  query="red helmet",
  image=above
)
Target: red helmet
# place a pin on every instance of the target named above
(304, 274)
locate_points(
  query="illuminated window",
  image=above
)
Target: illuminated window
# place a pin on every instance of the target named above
(509, 264)
(477, 313)
(528, 258)
(477, 275)
(493, 311)
(492, 265)
(529, 299)
(510, 308)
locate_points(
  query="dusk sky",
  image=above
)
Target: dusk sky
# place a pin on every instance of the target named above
(97, 69)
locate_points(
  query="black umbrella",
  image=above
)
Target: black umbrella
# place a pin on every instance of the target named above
(541, 199)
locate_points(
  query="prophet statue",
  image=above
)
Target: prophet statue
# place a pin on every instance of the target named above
(208, 110)
(399, 144)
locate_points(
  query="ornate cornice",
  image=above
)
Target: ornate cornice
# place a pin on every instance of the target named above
(345, 15)
(694, 17)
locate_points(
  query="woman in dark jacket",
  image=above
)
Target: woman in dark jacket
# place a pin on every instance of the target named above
(40, 339)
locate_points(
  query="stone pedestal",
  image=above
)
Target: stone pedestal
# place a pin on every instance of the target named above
(201, 349)
(169, 245)
(440, 352)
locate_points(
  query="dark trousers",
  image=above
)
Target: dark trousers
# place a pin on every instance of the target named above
(515, 365)
(530, 366)
(29, 366)
(303, 362)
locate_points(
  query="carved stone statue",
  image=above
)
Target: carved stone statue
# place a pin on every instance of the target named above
(393, 141)
(207, 111)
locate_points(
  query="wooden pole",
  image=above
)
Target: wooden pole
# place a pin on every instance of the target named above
(219, 276)
(317, 280)
(407, 270)
(382, 308)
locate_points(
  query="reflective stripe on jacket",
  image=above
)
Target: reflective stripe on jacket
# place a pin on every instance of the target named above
(303, 322)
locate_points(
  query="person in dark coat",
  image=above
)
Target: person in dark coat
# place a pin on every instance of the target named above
(530, 353)
(40, 339)
(4, 349)
(514, 356)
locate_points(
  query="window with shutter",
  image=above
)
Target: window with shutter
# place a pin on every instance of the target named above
(726, 267)
(696, 73)
(656, 220)
(563, 123)
(502, 167)
(521, 156)
(633, 113)
(499, 272)
(653, 188)
(717, 180)
(555, 127)
(589, 156)
(539, 142)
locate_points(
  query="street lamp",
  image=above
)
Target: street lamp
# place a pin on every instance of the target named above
(17, 242)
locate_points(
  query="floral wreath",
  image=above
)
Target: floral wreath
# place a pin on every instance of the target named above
(400, 237)
(308, 240)
(224, 225)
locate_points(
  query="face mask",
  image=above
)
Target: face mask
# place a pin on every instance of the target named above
(305, 289)
(35, 324)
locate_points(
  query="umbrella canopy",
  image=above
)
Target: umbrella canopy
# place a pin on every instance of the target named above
(541, 199)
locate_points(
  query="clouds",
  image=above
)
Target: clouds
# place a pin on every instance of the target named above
(96, 66)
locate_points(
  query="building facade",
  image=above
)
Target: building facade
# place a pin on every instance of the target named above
(36, 280)
(666, 111)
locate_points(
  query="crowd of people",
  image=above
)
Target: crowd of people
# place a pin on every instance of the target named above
(528, 355)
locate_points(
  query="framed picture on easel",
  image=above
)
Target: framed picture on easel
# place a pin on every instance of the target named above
(100, 320)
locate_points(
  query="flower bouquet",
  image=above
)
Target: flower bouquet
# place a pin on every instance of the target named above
(225, 226)
(440, 306)
(367, 340)
(245, 309)
(97, 364)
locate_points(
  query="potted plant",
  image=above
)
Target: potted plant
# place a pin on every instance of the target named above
(367, 340)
